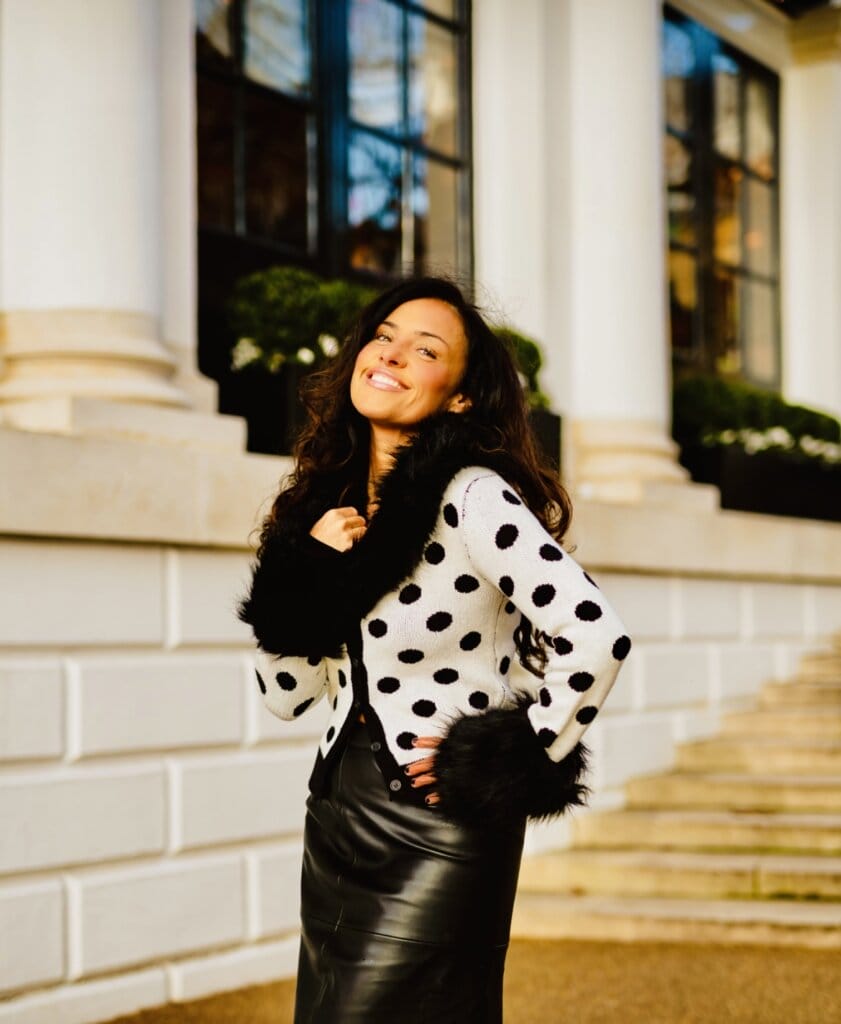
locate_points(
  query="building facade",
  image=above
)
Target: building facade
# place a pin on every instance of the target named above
(152, 808)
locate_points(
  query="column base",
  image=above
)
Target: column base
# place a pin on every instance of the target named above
(631, 461)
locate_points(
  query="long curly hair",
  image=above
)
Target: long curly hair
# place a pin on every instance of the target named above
(333, 447)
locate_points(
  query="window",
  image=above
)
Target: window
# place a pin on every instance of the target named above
(721, 169)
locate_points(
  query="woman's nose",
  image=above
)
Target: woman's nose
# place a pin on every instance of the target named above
(393, 353)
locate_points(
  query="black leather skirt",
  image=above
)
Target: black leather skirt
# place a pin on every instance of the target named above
(405, 916)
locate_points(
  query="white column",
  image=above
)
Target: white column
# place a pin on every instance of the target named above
(88, 229)
(810, 134)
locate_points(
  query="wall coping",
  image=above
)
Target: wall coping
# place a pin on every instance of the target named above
(130, 491)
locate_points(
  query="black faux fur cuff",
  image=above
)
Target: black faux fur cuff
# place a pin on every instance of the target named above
(493, 771)
(291, 603)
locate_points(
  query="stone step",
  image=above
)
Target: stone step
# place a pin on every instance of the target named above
(635, 919)
(821, 661)
(683, 873)
(800, 694)
(710, 830)
(735, 792)
(784, 721)
(761, 755)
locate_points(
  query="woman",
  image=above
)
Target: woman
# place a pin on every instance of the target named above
(411, 558)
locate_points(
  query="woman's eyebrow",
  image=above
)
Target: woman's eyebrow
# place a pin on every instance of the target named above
(420, 334)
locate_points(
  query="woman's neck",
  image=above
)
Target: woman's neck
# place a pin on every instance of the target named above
(384, 443)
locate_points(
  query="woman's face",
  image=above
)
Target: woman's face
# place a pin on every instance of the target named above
(413, 365)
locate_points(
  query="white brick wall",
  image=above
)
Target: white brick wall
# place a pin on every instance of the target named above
(157, 805)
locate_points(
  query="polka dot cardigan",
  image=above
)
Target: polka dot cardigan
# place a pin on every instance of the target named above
(432, 654)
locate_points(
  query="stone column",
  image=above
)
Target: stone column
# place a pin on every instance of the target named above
(810, 133)
(89, 229)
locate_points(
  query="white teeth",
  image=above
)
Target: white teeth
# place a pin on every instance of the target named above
(385, 381)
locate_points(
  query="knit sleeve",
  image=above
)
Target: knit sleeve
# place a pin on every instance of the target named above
(586, 641)
(290, 685)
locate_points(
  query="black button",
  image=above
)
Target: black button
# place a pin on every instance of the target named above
(394, 785)
(376, 747)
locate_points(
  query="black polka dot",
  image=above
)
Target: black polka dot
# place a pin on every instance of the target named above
(342, 678)
(335, 702)
(561, 645)
(547, 737)
(545, 696)
(550, 553)
(285, 681)
(424, 708)
(586, 715)
(470, 641)
(506, 585)
(621, 648)
(388, 684)
(445, 676)
(410, 593)
(410, 656)
(466, 583)
(542, 595)
(331, 732)
(511, 497)
(376, 627)
(313, 660)
(434, 553)
(504, 665)
(262, 684)
(590, 579)
(478, 700)
(506, 535)
(450, 515)
(581, 681)
(302, 707)
(589, 611)
(510, 608)
(439, 621)
(405, 740)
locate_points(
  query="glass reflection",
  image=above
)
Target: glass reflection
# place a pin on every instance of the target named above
(374, 204)
(681, 199)
(213, 39)
(728, 135)
(433, 84)
(683, 298)
(760, 129)
(678, 66)
(277, 52)
(275, 169)
(374, 41)
(215, 143)
(760, 351)
(446, 8)
(727, 228)
(726, 315)
(758, 239)
(434, 203)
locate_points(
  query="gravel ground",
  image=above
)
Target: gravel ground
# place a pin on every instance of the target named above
(551, 982)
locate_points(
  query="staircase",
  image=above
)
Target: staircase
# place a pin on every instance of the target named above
(740, 843)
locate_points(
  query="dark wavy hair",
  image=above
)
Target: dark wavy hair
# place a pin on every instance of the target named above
(333, 446)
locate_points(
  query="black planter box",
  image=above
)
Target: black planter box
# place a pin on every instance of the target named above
(767, 482)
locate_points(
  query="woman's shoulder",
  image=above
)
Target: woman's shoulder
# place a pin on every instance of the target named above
(475, 481)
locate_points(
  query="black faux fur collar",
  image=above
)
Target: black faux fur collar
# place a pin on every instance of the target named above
(305, 597)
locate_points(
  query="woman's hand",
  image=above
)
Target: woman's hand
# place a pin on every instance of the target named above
(421, 772)
(340, 528)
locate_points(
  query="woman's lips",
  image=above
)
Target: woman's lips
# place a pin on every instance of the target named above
(384, 381)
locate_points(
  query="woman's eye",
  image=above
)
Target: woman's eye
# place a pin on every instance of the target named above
(382, 338)
(428, 352)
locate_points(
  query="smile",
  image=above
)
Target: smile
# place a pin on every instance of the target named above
(384, 381)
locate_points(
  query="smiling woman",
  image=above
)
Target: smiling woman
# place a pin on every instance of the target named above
(414, 553)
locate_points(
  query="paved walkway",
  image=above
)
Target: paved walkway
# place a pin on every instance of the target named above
(550, 982)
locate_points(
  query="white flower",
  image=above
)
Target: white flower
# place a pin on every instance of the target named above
(245, 351)
(305, 356)
(328, 345)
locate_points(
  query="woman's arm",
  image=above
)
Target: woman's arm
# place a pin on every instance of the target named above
(290, 685)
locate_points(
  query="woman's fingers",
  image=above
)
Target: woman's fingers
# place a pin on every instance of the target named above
(425, 780)
(341, 528)
(423, 765)
(432, 798)
(427, 741)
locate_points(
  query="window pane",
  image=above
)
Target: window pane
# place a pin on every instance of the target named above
(213, 42)
(680, 196)
(275, 169)
(435, 205)
(433, 84)
(683, 299)
(678, 66)
(728, 221)
(759, 246)
(374, 204)
(760, 126)
(760, 350)
(446, 8)
(277, 50)
(215, 143)
(374, 41)
(728, 136)
(726, 315)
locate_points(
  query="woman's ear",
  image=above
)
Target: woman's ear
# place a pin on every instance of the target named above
(459, 403)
